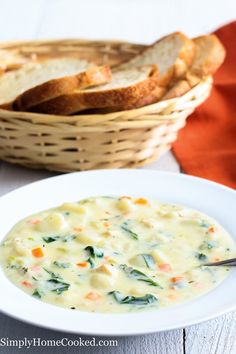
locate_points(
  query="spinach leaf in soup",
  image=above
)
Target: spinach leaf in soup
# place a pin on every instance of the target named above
(149, 261)
(207, 245)
(49, 239)
(125, 227)
(68, 238)
(63, 265)
(57, 286)
(53, 275)
(91, 262)
(147, 299)
(201, 257)
(94, 251)
(37, 294)
(138, 275)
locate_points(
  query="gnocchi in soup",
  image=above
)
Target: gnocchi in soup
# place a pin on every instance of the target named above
(116, 254)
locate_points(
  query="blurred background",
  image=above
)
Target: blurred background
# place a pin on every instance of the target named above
(132, 20)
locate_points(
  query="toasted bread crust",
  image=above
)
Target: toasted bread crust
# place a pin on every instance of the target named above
(57, 87)
(76, 102)
(158, 94)
(153, 97)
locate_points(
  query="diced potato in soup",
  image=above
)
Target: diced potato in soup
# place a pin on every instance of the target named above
(116, 254)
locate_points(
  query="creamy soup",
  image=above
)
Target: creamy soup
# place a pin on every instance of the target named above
(111, 254)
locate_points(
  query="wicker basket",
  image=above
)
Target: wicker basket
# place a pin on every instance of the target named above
(82, 142)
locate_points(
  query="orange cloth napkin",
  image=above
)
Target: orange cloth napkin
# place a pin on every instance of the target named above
(206, 146)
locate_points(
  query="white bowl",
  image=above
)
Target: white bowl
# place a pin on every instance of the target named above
(208, 197)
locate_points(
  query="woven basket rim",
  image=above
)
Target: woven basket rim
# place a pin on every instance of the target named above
(16, 43)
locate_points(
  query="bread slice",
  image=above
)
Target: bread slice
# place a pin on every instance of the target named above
(11, 60)
(209, 56)
(178, 89)
(53, 88)
(13, 83)
(153, 97)
(172, 54)
(158, 94)
(125, 88)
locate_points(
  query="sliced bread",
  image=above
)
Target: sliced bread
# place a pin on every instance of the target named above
(53, 88)
(125, 88)
(172, 54)
(13, 83)
(177, 90)
(153, 97)
(209, 56)
(11, 60)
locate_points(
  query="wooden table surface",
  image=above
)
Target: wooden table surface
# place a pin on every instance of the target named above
(27, 19)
